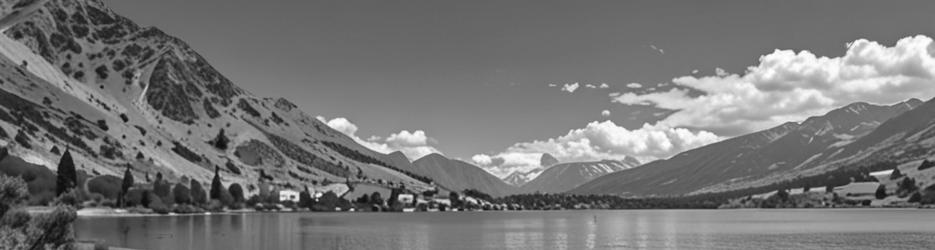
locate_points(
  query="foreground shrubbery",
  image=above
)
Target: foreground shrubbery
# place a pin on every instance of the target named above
(20, 230)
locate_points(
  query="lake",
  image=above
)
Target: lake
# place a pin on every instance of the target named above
(598, 229)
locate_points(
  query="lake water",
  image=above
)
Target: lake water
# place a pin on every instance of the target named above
(601, 229)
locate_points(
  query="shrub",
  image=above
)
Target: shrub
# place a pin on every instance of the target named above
(182, 194)
(215, 206)
(881, 192)
(134, 197)
(926, 165)
(232, 168)
(915, 197)
(73, 198)
(157, 205)
(220, 141)
(927, 198)
(199, 197)
(236, 192)
(106, 185)
(187, 209)
(12, 193)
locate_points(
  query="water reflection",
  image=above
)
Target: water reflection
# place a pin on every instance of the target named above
(737, 229)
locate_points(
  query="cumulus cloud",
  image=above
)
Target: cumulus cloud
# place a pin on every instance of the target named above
(605, 113)
(695, 71)
(634, 85)
(570, 88)
(790, 86)
(657, 49)
(414, 145)
(590, 86)
(603, 86)
(596, 141)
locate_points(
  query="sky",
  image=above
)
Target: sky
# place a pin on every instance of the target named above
(498, 83)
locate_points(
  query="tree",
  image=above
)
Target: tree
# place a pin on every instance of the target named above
(182, 194)
(896, 174)
(236, 192)
(216, 187)
(162, 188)
(220, 141)
(881, 192)
(376, 198)
(199, 197)
(915, 197)
(455, 199)
(67, 178)
(127, 183)
(305, 198)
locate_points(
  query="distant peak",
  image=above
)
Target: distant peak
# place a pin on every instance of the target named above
(547, 160)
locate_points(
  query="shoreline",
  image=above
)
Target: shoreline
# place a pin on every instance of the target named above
(118, 213)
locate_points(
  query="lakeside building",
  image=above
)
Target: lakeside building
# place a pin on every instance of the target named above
(288, 195)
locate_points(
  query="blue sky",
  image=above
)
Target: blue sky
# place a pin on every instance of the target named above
(471, 79)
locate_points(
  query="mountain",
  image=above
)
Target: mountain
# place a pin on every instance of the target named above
(565, 176)
(905, 138)
(77, 75)
(457, 175)
(519, 178)
(547, 160)
(734, 163)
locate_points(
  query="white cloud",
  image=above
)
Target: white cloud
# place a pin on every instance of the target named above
(634, 85)
(657, 49)
(552, 85)
(596, 141)
(414, 144)
(590, 86)
(603, 86)
(605, 113)
(695, 71)
(790, 86)
(570, 88)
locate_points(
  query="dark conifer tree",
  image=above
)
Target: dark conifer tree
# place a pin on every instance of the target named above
(216, 187)
(125, 187)
(67, 178)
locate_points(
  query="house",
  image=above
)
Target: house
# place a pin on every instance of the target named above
(406, 199)
(288, 195)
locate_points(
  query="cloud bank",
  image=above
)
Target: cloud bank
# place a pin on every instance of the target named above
(597, 140)
(414, 145)
(791, 86)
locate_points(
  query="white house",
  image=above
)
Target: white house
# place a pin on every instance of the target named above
(288, 195)
(406, 198)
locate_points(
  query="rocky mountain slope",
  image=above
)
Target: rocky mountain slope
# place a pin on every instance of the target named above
(74, 74)
(760, 158)
(458, 175)
(566, 176)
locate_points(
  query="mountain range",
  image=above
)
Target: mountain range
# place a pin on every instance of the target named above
(780, 153)
(75, 75)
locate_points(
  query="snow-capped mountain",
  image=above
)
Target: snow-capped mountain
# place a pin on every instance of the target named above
(565, 176)
(785, 150)
(519, 178)
(77, 75)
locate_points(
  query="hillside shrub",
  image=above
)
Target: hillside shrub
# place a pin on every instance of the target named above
(106, 185)
(926, 165)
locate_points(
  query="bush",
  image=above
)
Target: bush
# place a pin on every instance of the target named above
(915, 197)
(215, 206)
(199, 196)
(157, 205)
(73, 198)
(881, 192)
(134, 197)
(187, 209)
(106, 185)
(182, 194)
(926, 165)
(927, 198)
(236, 192)
(39, 179)
(13, 192)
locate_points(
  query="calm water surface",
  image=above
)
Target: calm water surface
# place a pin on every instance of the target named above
(625, 229)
